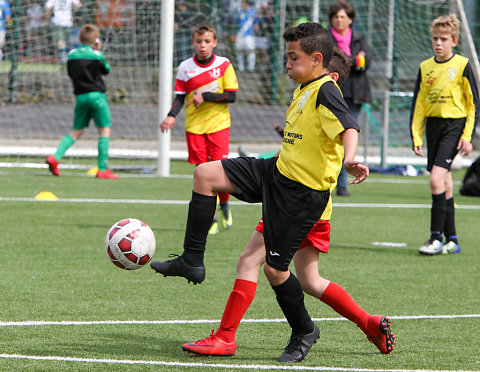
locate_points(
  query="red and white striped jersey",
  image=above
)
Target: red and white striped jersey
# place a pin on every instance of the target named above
(216, 77)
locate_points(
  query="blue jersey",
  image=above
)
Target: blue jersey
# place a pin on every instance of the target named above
(5, 11)
(247, 19)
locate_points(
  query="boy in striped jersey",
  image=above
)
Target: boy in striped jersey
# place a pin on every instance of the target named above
(208, 83)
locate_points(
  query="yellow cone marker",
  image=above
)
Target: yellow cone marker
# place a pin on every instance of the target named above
(46, 195)
(93, 171)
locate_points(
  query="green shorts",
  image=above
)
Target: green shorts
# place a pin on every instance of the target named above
(91, 105)
(60, 33)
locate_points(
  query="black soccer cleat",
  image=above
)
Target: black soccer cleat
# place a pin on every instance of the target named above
(178, 267)
(299, 346)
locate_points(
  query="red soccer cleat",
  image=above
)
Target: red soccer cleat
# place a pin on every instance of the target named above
(107, 174)
(378, 332)
(211, 346)
(53, 165)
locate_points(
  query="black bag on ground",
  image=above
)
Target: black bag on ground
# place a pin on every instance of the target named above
(471, 182)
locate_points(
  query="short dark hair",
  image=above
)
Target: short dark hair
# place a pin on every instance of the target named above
(201, 28)
(339, 5)
(341, 64)
(313, 37)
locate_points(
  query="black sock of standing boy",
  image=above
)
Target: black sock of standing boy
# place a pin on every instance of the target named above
(438, 215)
(290, 298)
(449, 229)
(201, 210)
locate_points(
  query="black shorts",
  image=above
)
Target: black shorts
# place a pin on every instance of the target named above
(442, 140)
(290, 209)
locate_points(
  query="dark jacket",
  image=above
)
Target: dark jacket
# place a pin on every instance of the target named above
(357, 86)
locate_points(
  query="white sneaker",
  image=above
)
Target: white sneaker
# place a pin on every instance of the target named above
(431, 247)
(451, 247)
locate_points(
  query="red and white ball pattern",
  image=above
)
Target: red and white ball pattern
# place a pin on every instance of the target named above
(130, 244)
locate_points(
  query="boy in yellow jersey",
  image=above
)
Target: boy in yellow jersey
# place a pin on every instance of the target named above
(445, 105)
(208, 83)
(376, 327)
(294, 188)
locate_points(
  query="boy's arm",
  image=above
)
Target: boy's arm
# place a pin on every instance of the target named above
(350, 143)
(105, 67)
(417, 116)
(470, 92)
(169, 121)
(225, 97)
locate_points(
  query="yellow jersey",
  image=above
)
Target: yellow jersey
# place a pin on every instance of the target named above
(312, 147)
(444, 90)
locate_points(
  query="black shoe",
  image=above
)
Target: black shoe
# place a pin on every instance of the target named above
(342, 191)
(178, 267)
(299, 346)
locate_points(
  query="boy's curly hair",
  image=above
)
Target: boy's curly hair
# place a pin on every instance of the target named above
(313, 37)
(340, 63)
(448, 23)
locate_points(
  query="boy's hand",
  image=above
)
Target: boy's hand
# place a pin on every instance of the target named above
(464, 147)
(167, 123)
(197, 100)
(97, 45)
(418, 150)
(356, 169)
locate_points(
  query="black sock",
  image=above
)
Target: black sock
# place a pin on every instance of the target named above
(450, 220)
(290, 298)
(438, 215)
(200, 215)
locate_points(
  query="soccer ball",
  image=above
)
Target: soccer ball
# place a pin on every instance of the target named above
(130, 244)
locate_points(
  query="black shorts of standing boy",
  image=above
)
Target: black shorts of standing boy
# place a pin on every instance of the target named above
(290, 209)
(442, 140)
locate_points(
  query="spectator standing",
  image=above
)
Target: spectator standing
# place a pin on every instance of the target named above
(34, 27)
(62, 23)
(356, 89)
(245, 39)
(5, 16)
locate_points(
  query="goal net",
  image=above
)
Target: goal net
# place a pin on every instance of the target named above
(37, 96)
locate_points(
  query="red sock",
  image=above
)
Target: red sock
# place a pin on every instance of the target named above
(240, 299)
(224, 197)
(339, 300)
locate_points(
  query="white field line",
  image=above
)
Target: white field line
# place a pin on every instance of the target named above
(403, 180)
(185, 202)
(211, 365)
(206, 321)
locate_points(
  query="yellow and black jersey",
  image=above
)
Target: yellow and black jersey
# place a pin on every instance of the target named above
(312, 148)
(444, 90)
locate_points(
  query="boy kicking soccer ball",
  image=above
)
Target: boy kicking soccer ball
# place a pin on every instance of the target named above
(294, 188)
(376, 327)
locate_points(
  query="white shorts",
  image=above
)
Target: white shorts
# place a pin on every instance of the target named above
(2, 38)
(245, 43)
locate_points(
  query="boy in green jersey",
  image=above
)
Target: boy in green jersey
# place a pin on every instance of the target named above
(85, 66)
